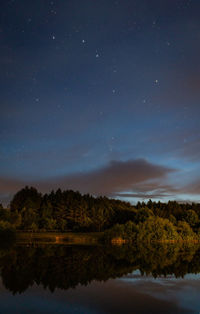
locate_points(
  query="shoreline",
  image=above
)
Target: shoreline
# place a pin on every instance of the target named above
(89, 238)
(59, 237)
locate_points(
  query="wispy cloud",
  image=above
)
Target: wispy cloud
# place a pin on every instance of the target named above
(136, 178)
(137, 175)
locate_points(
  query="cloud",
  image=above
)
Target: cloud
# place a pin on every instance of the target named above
(136, 175)
(115, 177)
(192, 188)
(136, 178)
(152, 189)
(8, 187)
(144, 196)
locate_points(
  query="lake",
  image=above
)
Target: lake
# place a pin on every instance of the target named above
(50, 278)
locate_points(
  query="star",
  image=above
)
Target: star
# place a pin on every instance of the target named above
(53, 37)
(83, 41)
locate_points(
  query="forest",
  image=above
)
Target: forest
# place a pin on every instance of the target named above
(70, 211)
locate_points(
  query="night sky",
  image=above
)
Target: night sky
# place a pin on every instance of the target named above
(101, 96)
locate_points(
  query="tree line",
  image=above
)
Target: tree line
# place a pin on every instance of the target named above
(71, 211)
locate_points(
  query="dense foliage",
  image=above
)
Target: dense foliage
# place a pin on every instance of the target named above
(70, 211)
(66, 211)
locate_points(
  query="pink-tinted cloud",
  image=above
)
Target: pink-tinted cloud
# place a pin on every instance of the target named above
(117, 176)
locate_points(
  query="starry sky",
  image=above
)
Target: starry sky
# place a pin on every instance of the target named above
(101, 96)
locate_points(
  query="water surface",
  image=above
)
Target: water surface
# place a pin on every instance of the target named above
(82, 279)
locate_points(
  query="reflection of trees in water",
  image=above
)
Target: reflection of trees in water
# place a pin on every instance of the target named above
(65, 267)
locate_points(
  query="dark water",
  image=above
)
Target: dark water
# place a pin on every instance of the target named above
(72, 279)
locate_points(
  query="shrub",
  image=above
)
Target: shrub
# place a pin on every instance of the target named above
(185, 231)
(126, 233)
(157, 229)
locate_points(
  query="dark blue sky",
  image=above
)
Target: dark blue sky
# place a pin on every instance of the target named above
(102, 96)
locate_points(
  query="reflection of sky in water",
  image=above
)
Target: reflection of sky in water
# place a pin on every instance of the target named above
(39, 305)
(136, 275)
(39, 300)
(130, 294)
(184, 291)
